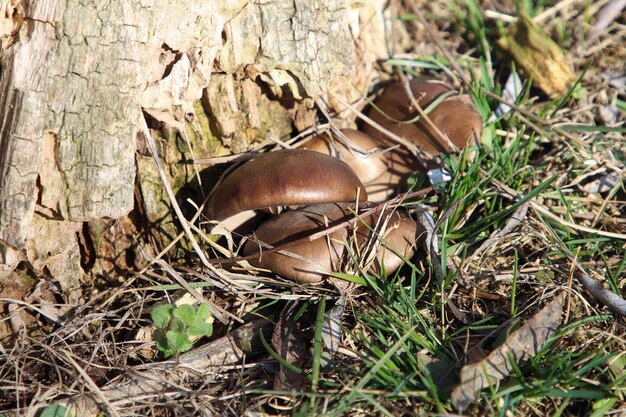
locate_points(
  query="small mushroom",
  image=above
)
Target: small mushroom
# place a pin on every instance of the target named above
(455, 116)
(283, 178)
(310, 261)
(397, 238)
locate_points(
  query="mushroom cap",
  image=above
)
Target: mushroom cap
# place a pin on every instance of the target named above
(283, 178)
(397, 236)
(367, 167)
(384, 173)
(455, 116)
(399, 246)
(312, 261)
(458, 119)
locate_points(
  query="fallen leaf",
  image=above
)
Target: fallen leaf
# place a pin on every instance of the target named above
(519, 346)
(538, 57)
(331, 329)
(289, 343)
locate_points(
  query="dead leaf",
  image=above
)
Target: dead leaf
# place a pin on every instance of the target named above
(614, 302)
(539, 57)
(331, 331)
(519, 346)
(289, 343)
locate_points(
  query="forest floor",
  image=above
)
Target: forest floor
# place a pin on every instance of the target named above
(527, 280)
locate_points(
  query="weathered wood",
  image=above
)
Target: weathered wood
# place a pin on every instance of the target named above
(75, 76)
(172, 377)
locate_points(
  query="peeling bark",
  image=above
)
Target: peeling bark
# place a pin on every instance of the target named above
(75, 75)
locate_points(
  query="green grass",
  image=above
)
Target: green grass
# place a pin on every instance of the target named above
(394, 339)
(580, 371)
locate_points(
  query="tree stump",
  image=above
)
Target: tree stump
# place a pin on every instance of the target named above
(76, 77)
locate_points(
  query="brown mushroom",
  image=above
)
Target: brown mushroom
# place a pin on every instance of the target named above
(361, 152)
(284, 178)
(395, 239)
(382, 170)
(309, 261)
(455, 116)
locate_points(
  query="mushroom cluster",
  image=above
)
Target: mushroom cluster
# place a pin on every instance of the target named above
(332, 183)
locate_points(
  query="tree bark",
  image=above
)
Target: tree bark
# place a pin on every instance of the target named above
(75, 76)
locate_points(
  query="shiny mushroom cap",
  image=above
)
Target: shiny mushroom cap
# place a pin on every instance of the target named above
(284, 178)
(455, 116)
(310, 261)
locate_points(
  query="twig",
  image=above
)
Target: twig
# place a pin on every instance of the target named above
(514, 221)
(423, 115)
(547, 213)
(55, 320)
(493, 14)
(614, 302)
(172, 198)
(543, 16)
(162, 378)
